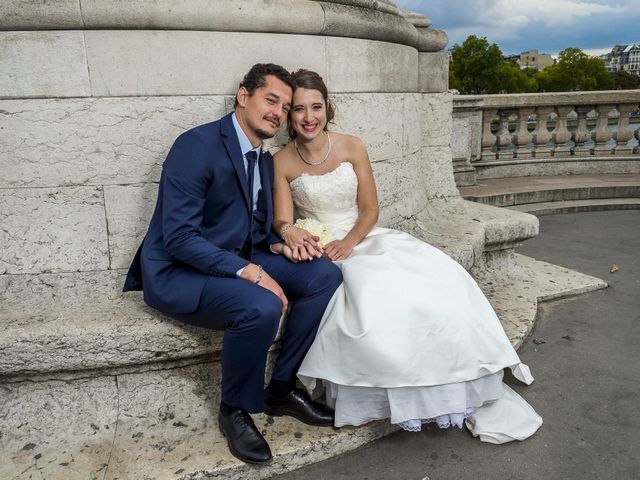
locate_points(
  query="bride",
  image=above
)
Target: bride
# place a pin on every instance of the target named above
(409, 336)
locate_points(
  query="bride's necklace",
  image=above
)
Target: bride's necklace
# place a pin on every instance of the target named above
(314, 164)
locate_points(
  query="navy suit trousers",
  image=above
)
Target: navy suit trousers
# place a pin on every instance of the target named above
(250, 314)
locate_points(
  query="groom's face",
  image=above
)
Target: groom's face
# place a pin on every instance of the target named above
(261, 113)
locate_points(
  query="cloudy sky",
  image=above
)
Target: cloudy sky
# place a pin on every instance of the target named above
(548, 25)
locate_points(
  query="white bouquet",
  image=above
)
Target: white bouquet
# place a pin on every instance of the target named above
(316, 228)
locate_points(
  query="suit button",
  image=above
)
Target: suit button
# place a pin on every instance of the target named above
(237, 251)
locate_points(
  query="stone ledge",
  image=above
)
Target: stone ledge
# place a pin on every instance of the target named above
(161, 424)
(80, 321)
(372, 20)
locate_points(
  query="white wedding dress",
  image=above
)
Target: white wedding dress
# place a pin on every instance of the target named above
(409, 335)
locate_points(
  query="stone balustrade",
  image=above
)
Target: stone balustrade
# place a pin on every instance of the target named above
(546, 134)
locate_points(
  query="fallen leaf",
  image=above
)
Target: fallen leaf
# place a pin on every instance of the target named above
(539, 341)
(614, 268)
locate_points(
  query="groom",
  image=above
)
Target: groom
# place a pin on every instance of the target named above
(210, 259)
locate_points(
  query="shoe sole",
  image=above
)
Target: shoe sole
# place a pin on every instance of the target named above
(280, 413)
(237, 455)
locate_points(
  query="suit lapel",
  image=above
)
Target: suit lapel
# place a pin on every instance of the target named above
(232, 145)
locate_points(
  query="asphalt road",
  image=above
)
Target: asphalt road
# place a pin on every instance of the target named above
(587, 373)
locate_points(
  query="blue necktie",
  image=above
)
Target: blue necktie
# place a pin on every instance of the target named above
(251, 157)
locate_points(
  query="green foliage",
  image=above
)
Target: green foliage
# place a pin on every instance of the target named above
(475, 66)
(625, 81)
(575, 70)
(478, 67)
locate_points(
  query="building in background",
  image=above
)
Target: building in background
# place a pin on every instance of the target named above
(534, 59)
(623, 57)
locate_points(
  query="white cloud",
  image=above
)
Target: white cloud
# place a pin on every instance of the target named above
(549, 25)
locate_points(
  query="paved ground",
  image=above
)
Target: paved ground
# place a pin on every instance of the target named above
(587, 375)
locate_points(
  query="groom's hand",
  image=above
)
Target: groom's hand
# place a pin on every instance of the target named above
(250, 273)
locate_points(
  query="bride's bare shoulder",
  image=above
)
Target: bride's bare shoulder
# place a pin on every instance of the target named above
(346, 141)
(284, 161)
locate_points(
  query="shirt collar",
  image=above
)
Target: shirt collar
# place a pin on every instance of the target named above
(245, 144)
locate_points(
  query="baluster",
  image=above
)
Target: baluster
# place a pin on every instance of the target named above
(561, 134)
(541, 135)
(488, 138)
(504, 137)
(582, 134)
(522, 137)
(637, 149)
(623, 132)
(601, 135)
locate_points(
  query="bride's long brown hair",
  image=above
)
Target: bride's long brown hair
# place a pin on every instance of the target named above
(311, 81)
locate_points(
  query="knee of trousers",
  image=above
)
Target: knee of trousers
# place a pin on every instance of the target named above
(261, 317)
(329, 275)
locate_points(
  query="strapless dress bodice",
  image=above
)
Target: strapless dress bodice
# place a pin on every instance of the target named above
(331, 198)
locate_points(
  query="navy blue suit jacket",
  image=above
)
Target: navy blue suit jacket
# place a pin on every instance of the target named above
(201, 221)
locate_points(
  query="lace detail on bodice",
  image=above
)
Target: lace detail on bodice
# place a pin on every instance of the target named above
(330, 198)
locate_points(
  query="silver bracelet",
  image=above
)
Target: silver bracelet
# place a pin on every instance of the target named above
(260, 273)
(284, 229)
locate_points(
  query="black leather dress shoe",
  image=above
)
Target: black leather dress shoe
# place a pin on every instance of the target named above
(297, 404)
(244, 440)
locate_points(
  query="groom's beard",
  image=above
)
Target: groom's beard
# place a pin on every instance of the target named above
(264, 135)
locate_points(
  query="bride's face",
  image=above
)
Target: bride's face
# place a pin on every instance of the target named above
(308, 115)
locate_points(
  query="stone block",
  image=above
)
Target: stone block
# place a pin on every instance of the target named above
(146, 62)
(52, 230)
(364, 20)
(282, 16)
(356, 65)
(437, 119)
(400, 192)
(52, 431)
(437, 172)
(376, 118)
(433, 72)
(412, 123)
(40, 15)
(78, 321)
(94, 141)
(129, 209)
(43, 64)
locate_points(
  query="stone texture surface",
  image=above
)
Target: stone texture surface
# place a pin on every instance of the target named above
(78, 321)
(43, 64)
(36, 14)
(129, 209)
(349, 20)
(466, 128)
(52, 230)
(161, 424)
(281, 16)
(515, 284)
(52, 142)
(433, 68)
(377, 119)
(436, 119)
(146, 62)
(57, 429)
(356, 65)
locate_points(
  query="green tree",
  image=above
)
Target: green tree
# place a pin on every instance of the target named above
(625, 81)
(575, 70)
(475, 66)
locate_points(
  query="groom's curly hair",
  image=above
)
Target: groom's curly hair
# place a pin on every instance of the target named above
(257, 77)
(311, 81)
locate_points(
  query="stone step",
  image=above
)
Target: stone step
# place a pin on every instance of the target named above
(571, 206)
(527, 190)
(161, 423)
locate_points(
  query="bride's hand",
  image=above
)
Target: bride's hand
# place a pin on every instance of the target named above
(338, 249)
(300, 239)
